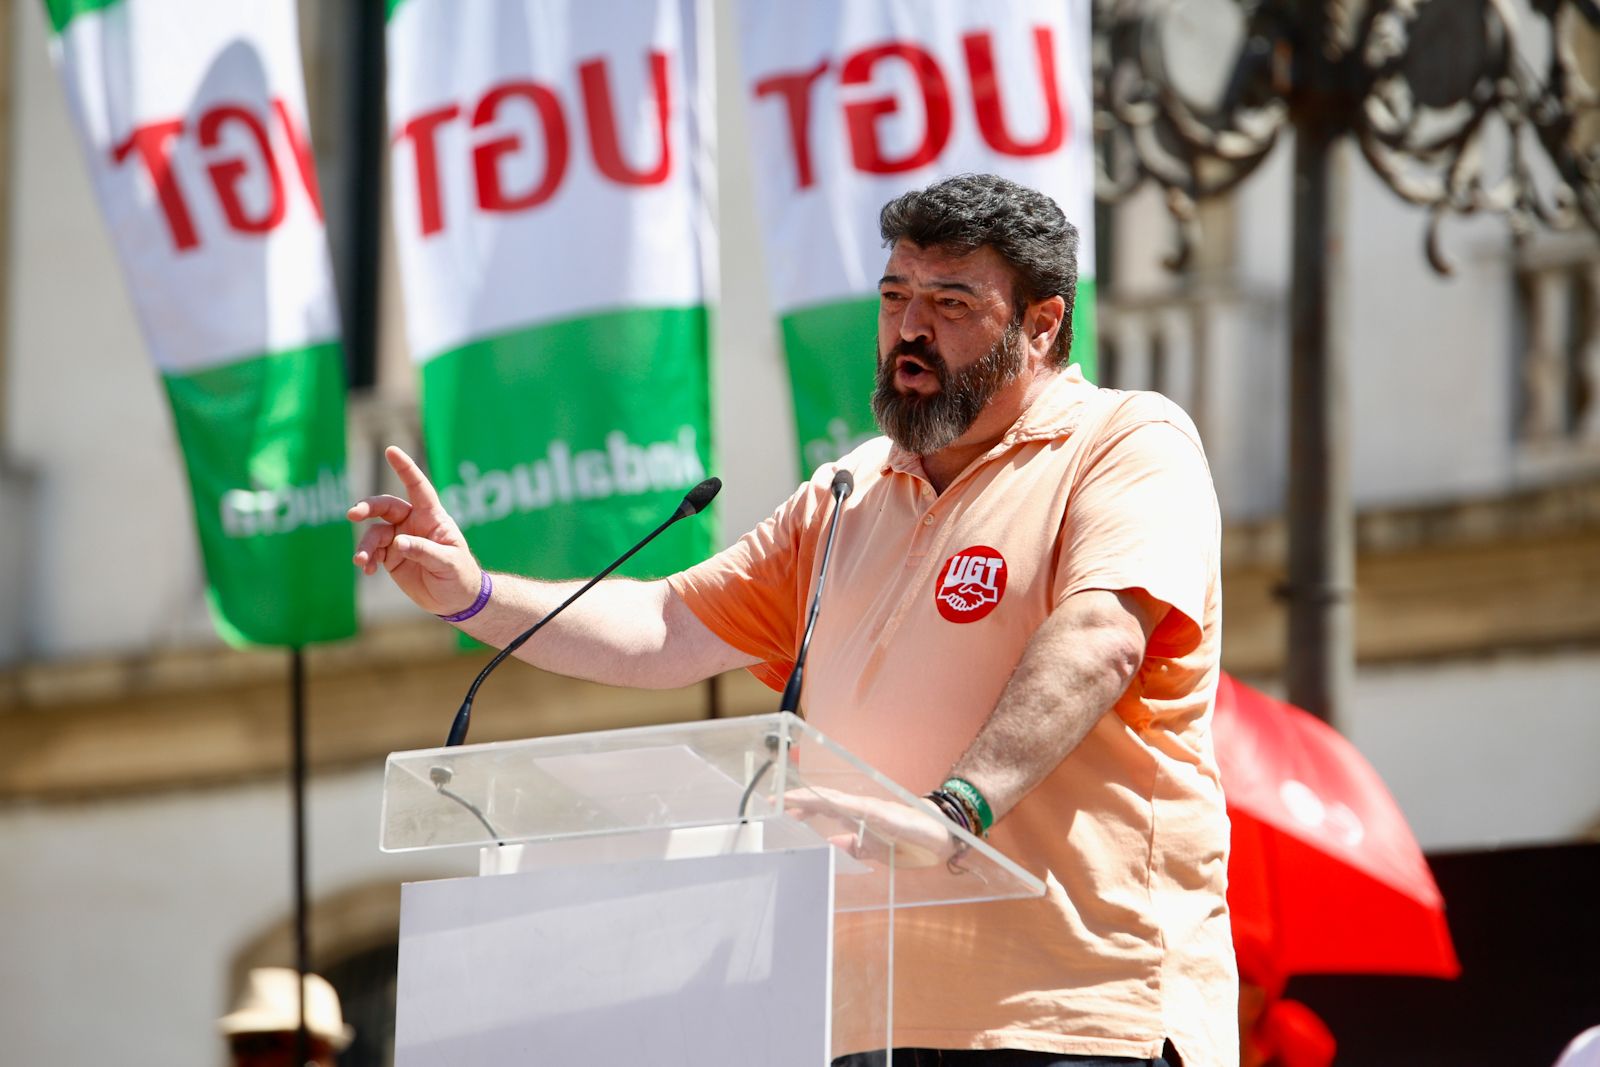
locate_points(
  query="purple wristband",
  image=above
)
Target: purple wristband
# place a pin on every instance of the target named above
(484, 589)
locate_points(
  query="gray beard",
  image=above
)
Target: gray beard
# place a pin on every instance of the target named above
(924, 425)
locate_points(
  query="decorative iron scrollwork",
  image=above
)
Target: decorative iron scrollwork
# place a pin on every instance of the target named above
(1460, 106)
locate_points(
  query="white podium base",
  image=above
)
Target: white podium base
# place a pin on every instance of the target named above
(716, 960)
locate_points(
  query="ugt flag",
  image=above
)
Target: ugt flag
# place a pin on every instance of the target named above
(853, 102)
(192, 116)
(548, 165)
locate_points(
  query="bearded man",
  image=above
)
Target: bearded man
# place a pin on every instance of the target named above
(1024, 622)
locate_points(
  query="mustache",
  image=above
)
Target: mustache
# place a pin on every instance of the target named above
(918, 349)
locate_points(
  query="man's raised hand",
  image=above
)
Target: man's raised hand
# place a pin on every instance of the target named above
(417, 542)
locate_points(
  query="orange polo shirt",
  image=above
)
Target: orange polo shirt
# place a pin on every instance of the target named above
(931, 600)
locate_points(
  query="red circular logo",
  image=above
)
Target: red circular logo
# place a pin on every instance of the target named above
(970, 584)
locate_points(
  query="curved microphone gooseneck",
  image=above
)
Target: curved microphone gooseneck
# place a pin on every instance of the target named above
(843, 485)
(694, 502)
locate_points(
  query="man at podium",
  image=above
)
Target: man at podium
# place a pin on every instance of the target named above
(1023, 623)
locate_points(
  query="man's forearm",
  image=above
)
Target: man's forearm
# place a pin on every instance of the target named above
(1073, 671)
(620, 632)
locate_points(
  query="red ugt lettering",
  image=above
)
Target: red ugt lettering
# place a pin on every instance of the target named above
(490, 157)
(152, 145)
(864, 119)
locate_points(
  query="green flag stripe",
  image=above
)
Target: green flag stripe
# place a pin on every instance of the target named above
(263, 440)
(830, 350)
(1085, 332)
(62, 12)
(558, 446)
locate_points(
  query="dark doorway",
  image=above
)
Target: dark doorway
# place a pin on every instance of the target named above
(366, 984)
(1526, 924)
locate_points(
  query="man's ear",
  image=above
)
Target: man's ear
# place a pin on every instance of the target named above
(1043, 322)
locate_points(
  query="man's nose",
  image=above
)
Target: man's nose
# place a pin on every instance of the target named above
(917, 321)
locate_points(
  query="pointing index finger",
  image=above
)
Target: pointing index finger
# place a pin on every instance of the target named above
(418, 488)
(389, 508)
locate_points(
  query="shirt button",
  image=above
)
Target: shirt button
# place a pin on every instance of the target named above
(927, 520)
(927, 490)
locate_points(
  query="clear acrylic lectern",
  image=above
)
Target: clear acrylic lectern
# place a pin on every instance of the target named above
(715, 892)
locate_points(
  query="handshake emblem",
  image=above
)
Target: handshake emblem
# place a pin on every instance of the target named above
(970, 584)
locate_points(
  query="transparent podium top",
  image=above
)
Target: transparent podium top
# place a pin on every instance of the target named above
(772, 773)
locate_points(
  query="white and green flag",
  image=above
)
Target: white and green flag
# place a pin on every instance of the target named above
(550, 210)
(193, 119)
(852, 102)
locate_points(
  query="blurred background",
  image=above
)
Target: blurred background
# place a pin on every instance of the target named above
(144, 807)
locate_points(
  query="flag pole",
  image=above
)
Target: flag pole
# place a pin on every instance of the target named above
(297, 788)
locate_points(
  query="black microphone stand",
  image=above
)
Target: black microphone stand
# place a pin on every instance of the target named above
(843, 485)
(694, 502)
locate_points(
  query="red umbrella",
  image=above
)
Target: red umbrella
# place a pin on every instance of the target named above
(1325, 876)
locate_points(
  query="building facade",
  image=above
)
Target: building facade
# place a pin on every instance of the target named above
(143, 790)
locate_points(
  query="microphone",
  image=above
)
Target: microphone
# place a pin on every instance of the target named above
(843, 485)
(694, 502)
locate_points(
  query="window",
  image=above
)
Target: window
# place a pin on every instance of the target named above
(1558, 362)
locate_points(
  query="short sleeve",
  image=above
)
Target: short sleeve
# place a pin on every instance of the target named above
(1143, 515)
(751, 593)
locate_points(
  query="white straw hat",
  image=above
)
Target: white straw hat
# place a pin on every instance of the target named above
(270, 1004)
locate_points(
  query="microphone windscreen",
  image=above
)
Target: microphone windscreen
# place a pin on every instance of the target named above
(695, 500)
(844, 483)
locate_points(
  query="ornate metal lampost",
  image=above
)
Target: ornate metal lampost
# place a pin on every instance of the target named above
(1459, 106)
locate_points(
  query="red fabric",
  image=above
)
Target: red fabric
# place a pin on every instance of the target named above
(1290, 1034)
(1325, 875)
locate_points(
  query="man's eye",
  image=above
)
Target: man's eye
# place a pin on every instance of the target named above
(951, 303)
(890, 297)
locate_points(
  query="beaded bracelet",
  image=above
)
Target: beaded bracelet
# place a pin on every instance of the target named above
(969, 794)
(485, 587)
(951, 808)
(969, 813)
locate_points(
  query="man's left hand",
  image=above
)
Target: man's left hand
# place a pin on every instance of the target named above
(867, 827)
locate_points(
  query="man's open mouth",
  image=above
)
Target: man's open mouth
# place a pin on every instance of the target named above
(912, 367)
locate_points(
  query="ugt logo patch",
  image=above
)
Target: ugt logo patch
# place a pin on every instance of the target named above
(971, 584)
